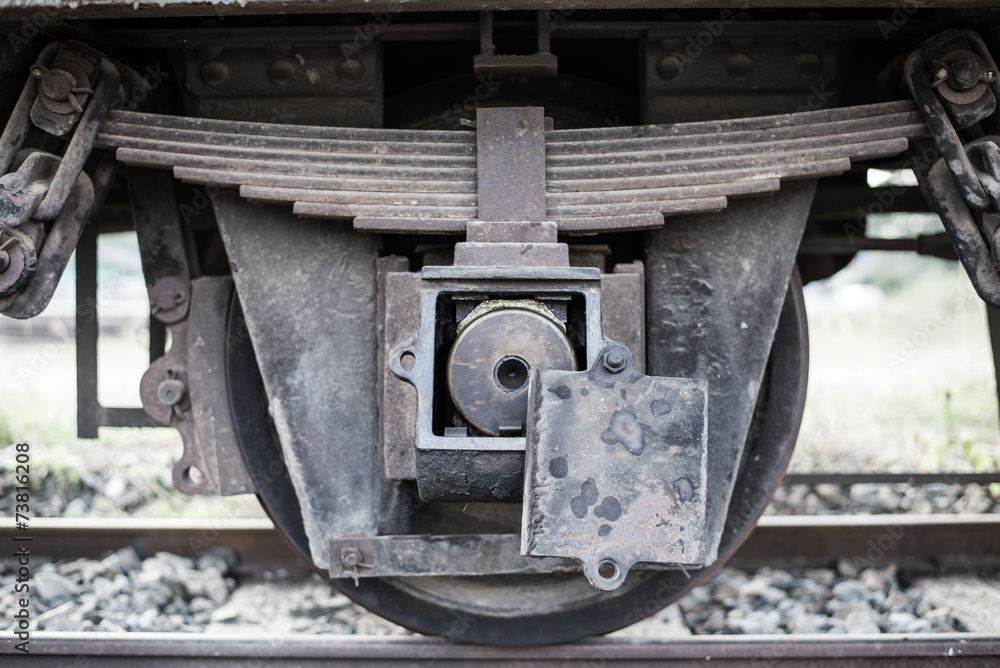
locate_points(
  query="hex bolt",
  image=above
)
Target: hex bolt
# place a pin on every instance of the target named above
(170, 391)
(350, 557)
(614, 361)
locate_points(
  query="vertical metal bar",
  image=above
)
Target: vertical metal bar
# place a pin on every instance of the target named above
(544, 31)
(486, 44)
(993, 320)
(511, 163)
(88, 409)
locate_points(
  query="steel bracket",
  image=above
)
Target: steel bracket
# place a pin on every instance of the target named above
(186, 389)
(541, 64)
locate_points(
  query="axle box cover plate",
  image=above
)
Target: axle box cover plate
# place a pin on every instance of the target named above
(615, 471)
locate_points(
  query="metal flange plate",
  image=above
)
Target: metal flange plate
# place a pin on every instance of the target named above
(615, 470)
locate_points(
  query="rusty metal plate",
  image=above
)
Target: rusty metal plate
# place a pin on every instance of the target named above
(511, 163)
(615, 470)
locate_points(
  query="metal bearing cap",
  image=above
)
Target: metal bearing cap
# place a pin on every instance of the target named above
(498, 345)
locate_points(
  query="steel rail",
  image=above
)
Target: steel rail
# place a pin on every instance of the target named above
(835, 478)
(162, 650)
(916, 543)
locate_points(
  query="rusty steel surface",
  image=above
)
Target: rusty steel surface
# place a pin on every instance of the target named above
(424, 556)
(511, 163)
(302, 330)
(615, 468)
(160, 650)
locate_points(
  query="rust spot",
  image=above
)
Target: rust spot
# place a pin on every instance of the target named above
(625, 429)
(562, 392)
(558, 467)
(609, 509)
(660, 407)
(588, 497)
(685, 490)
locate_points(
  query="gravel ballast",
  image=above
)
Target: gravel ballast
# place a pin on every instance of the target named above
(167, 592)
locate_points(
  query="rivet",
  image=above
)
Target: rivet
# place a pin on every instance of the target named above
(214, 73)
(808, 65)
(668, 68)
(351, 70)
(739, 66)
(281, 72)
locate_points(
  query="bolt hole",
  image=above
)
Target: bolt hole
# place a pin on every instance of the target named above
(511, 373)
(407, 360)
(193, 476)
(607, 569)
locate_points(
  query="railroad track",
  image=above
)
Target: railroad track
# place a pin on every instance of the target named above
(169, 650)
(915, 543)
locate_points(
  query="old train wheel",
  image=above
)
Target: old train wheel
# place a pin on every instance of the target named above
(536, 609)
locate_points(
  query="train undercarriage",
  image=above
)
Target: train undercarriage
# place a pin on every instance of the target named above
(499, 313)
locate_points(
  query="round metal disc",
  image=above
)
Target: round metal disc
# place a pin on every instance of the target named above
(491, 359)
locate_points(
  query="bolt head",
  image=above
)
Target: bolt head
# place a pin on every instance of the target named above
(170, 391)
(614, 361)
(965, 74)
(350, 556)
(167, 300)
(57, 84)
